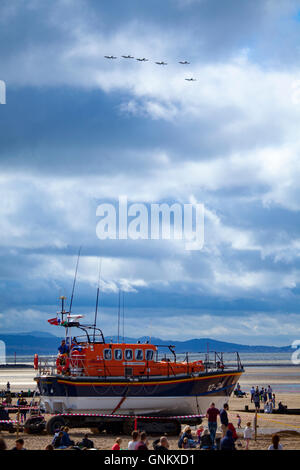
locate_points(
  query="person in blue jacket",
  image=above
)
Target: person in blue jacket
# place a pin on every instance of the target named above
(227, 443)
(63, 348)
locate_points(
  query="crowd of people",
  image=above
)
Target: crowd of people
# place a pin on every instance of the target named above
(205, 437)
(263, 397)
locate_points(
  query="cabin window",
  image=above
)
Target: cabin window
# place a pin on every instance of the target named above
(128, 355)
(139, 354)
(149, 355)
(118, 354)
(107, 354)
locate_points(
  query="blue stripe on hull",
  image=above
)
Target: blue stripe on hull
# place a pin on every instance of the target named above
(208, 385)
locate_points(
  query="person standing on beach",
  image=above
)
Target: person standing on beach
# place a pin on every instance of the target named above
(256, 400)
(212, 415)
(252, 392)
(224, 419)
(270, 391)
(248, 431)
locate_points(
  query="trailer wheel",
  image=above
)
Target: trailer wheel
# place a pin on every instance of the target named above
(35, 425)
(55, 423)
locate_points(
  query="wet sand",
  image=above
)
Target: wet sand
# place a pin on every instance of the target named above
(19, 379)
(285, 382)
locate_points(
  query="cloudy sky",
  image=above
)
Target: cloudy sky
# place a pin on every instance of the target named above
(79, 130)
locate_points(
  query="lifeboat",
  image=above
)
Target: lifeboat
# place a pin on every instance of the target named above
(91, 374)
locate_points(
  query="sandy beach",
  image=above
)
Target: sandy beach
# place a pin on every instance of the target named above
(285, 382)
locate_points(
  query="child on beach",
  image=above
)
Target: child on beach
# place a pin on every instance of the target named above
(186, 443)
(239, 421)
(199, 433)
(117, 445)
(248, 434)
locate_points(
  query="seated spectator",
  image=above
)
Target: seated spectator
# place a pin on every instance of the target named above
(282, 408)
(275, 443)
(227, 443)
(65, 440)
(187, 433)
(57, 441)
(19, 445)
(117, 444)
(142, 444)
(206, 442)
(2, 444)
(161, 445)
(56, 433)
(135, 439)
(86, 442)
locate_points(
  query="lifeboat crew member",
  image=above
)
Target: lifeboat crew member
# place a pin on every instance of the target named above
(75, 346)
(63, 348)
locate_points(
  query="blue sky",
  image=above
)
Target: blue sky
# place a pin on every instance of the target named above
(78, 130)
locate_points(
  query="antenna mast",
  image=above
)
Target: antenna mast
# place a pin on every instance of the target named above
(123, 319)
(74, 282)
(97, 298)
(119, 315)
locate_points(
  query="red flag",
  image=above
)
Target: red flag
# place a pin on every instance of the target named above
(53, 321)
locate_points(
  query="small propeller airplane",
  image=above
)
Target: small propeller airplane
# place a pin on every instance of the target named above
(127, 57)
(183, 62)
(143, 60)
(191, 79)
(161, 63)
(110, 57)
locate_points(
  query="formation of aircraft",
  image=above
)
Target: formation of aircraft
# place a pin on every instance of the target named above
(143, 59)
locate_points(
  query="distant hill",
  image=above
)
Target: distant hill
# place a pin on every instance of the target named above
(45, 343)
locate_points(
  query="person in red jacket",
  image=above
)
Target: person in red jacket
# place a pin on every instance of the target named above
(233, 430)
(117, 444)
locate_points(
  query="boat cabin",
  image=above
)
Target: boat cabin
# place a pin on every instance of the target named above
(120, 360)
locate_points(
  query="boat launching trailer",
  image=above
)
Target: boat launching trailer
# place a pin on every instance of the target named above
(111, 424)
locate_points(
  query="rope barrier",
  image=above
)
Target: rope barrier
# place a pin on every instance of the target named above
(16, 408)
(129, 416)
(8, 421)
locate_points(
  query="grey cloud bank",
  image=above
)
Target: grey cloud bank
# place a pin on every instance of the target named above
(77, 131)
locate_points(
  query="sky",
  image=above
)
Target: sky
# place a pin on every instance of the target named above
(78, 130)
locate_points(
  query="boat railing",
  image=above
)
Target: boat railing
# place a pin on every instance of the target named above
(212, 361)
